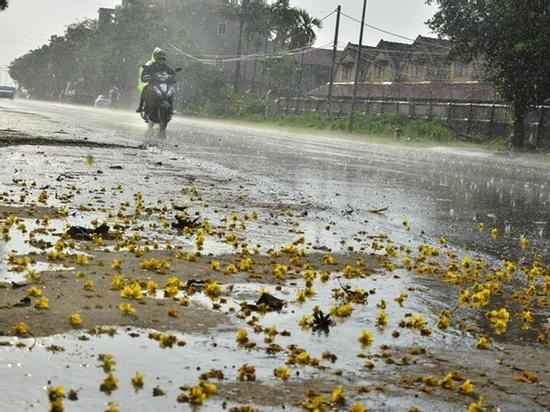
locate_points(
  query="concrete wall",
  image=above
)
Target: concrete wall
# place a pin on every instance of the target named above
(469, 119)
(468, 92)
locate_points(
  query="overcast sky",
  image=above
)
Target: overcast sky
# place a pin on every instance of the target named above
(28, 24)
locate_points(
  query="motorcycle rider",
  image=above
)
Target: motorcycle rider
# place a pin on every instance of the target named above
(148, 70)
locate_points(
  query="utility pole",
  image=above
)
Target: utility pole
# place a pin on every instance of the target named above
(354, 97)
(334, 51)
(301, 74)
(237, 78)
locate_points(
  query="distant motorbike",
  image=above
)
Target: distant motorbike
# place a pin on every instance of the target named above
(158, 104)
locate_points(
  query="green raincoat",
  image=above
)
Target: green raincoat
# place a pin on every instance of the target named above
(141, 85)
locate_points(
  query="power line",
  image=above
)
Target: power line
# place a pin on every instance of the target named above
(397, 35)
(327, 16)
(250, 57)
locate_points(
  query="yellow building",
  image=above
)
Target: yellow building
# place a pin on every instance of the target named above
(425, 60)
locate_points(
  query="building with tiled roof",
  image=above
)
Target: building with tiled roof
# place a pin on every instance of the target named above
(425, 60)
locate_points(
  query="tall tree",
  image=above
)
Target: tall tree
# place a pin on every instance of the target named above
(513, 36)
(3, 4)
(292, 27)
(283, 20)
(252, 17)
(303, 33)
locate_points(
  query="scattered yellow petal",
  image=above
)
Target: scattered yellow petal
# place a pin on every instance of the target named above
(365, 338)
(41, 303)
(337, 395)
(20, 328)
(75, 319)
(137, 381)
(282, 372)
(467, 387)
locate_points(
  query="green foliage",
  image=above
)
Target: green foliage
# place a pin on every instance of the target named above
(253, 108)
(291, 27)
(513, 37)
(282, 70)
(96, 59)
(201, 85)
(432, 130)
(241, 107)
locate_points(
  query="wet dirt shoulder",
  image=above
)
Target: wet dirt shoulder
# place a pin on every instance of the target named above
(94, 290)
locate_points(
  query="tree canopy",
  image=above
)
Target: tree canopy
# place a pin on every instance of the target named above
(3, 4)
(291, 27)
(94, 58)
(513, 37)
(97, 56)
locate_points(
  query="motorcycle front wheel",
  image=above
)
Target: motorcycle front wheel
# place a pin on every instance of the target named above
(164, 118)
(149, 132)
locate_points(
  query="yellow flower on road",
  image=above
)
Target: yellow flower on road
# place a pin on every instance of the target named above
(357, 407)
(42, 303)
(116, 264)
(499, 320)
(467, 387)
(381, 319)
(526, 319)
(88, 284)
(337, 395)
(75, 319)
(523, 242)
(365, 338)
(34, 291)
(483, 343)
(282, 372)
(112, 406)
(20, 328)
(137, 381)
(127, 308)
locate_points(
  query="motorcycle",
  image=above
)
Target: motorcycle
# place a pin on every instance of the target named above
(158, 104)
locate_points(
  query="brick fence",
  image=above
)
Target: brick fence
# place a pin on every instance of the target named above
(468, 119)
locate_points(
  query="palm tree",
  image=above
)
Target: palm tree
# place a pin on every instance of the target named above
(292, 27)
(303, 34)
(3, 4)
(283, 19)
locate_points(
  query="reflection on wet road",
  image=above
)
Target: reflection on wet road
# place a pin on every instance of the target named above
(439, 191)
(332, 186)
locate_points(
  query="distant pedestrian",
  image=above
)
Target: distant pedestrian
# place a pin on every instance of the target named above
(114, 96)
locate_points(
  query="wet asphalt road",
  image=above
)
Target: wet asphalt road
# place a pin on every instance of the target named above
(438, 190)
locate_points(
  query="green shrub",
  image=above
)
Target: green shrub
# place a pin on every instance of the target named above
(429, 129)
(384, 125)
(252, 108)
